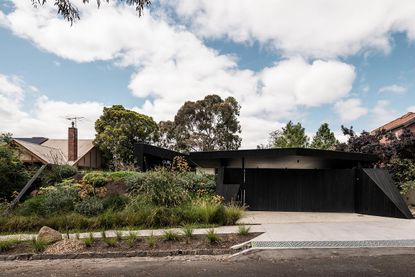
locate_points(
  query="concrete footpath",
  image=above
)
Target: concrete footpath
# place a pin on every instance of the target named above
(141, 233)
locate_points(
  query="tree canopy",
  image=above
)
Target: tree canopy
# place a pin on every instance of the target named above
(324, 138)
(204, 125)
(292, 135)
(71, 13)
(396, 153)
(13, 175)
(118, 129)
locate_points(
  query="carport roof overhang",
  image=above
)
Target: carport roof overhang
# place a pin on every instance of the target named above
(284, 152)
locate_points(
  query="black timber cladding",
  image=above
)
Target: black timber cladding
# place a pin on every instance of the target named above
(376, 194)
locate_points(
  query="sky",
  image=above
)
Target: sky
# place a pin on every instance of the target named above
(346, 63)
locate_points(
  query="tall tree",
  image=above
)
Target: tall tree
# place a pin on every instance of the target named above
(13, 174)
(118, 129)
(71, 13)
(292, 135)
(208, 124)
(324, 138)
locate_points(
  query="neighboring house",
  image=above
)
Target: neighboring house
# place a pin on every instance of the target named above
(39, 150)
(398, 125)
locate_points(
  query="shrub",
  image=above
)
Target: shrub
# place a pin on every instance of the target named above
(96, 178)
(402, 170)
(32, 206)
(38, 245)
(89, 206)
(6, 245)
(121, 175)
(164, 188)
(115, 202)
(135, 182)
(199, 183)
(204, 211)
(60, 199)
(57, 173)
(212, 237)
(407, 186)
(13, 175)
(170, 235)
(243, 230)
(233, 212)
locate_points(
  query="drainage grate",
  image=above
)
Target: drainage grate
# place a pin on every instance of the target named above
(333, 244)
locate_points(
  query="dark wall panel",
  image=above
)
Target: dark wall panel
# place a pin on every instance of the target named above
(376, 194)
(300, 190)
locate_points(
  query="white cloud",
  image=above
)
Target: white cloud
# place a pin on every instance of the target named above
(319, 29)
(396, 89)
(350, 109)
(411, 109)
(46, 117)
(382, 113)
(173, 65)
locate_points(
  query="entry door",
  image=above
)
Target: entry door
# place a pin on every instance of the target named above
(307, 190)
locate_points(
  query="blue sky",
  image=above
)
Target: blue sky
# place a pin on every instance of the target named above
(183, 51)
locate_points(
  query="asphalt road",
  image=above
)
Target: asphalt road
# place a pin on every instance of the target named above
(378, 262)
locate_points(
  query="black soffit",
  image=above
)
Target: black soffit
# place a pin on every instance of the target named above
(282, 152)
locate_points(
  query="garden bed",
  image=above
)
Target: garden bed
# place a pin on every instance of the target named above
(127, 246)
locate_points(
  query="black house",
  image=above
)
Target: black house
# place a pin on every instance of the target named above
(294, 179)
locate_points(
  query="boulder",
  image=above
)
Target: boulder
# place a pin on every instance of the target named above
(49, 235)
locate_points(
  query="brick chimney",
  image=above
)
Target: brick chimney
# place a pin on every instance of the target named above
(72, 143)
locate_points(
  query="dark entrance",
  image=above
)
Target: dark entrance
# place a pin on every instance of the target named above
(311, 190)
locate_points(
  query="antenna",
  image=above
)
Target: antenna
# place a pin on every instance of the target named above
(74, 120)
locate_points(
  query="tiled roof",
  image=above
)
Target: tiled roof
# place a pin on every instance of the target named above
(403, 121)
(55, 151)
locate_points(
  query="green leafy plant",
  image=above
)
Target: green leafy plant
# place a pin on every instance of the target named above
(13, 174)
(243, 230)
(57, 173)
(61, 198)
(89, 206)
(135, 182)
(233, 212)
(188, 231)
(115, 202)
(151, 241)
(111, 242)
(6, 245)
(170, 235)
(96, 178)
(88, 241)
(118, 235)
(212, 236)
(38, 245)
(407, 187)
(132, 238)
(164, 188)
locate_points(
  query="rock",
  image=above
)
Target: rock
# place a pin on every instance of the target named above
(65, 246)
(49, 235)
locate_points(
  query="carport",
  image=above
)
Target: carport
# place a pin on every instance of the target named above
(304, 180)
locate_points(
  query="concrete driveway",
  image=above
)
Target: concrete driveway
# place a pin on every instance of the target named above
(292, 226)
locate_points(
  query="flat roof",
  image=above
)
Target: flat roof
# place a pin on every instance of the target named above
(281, 152)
